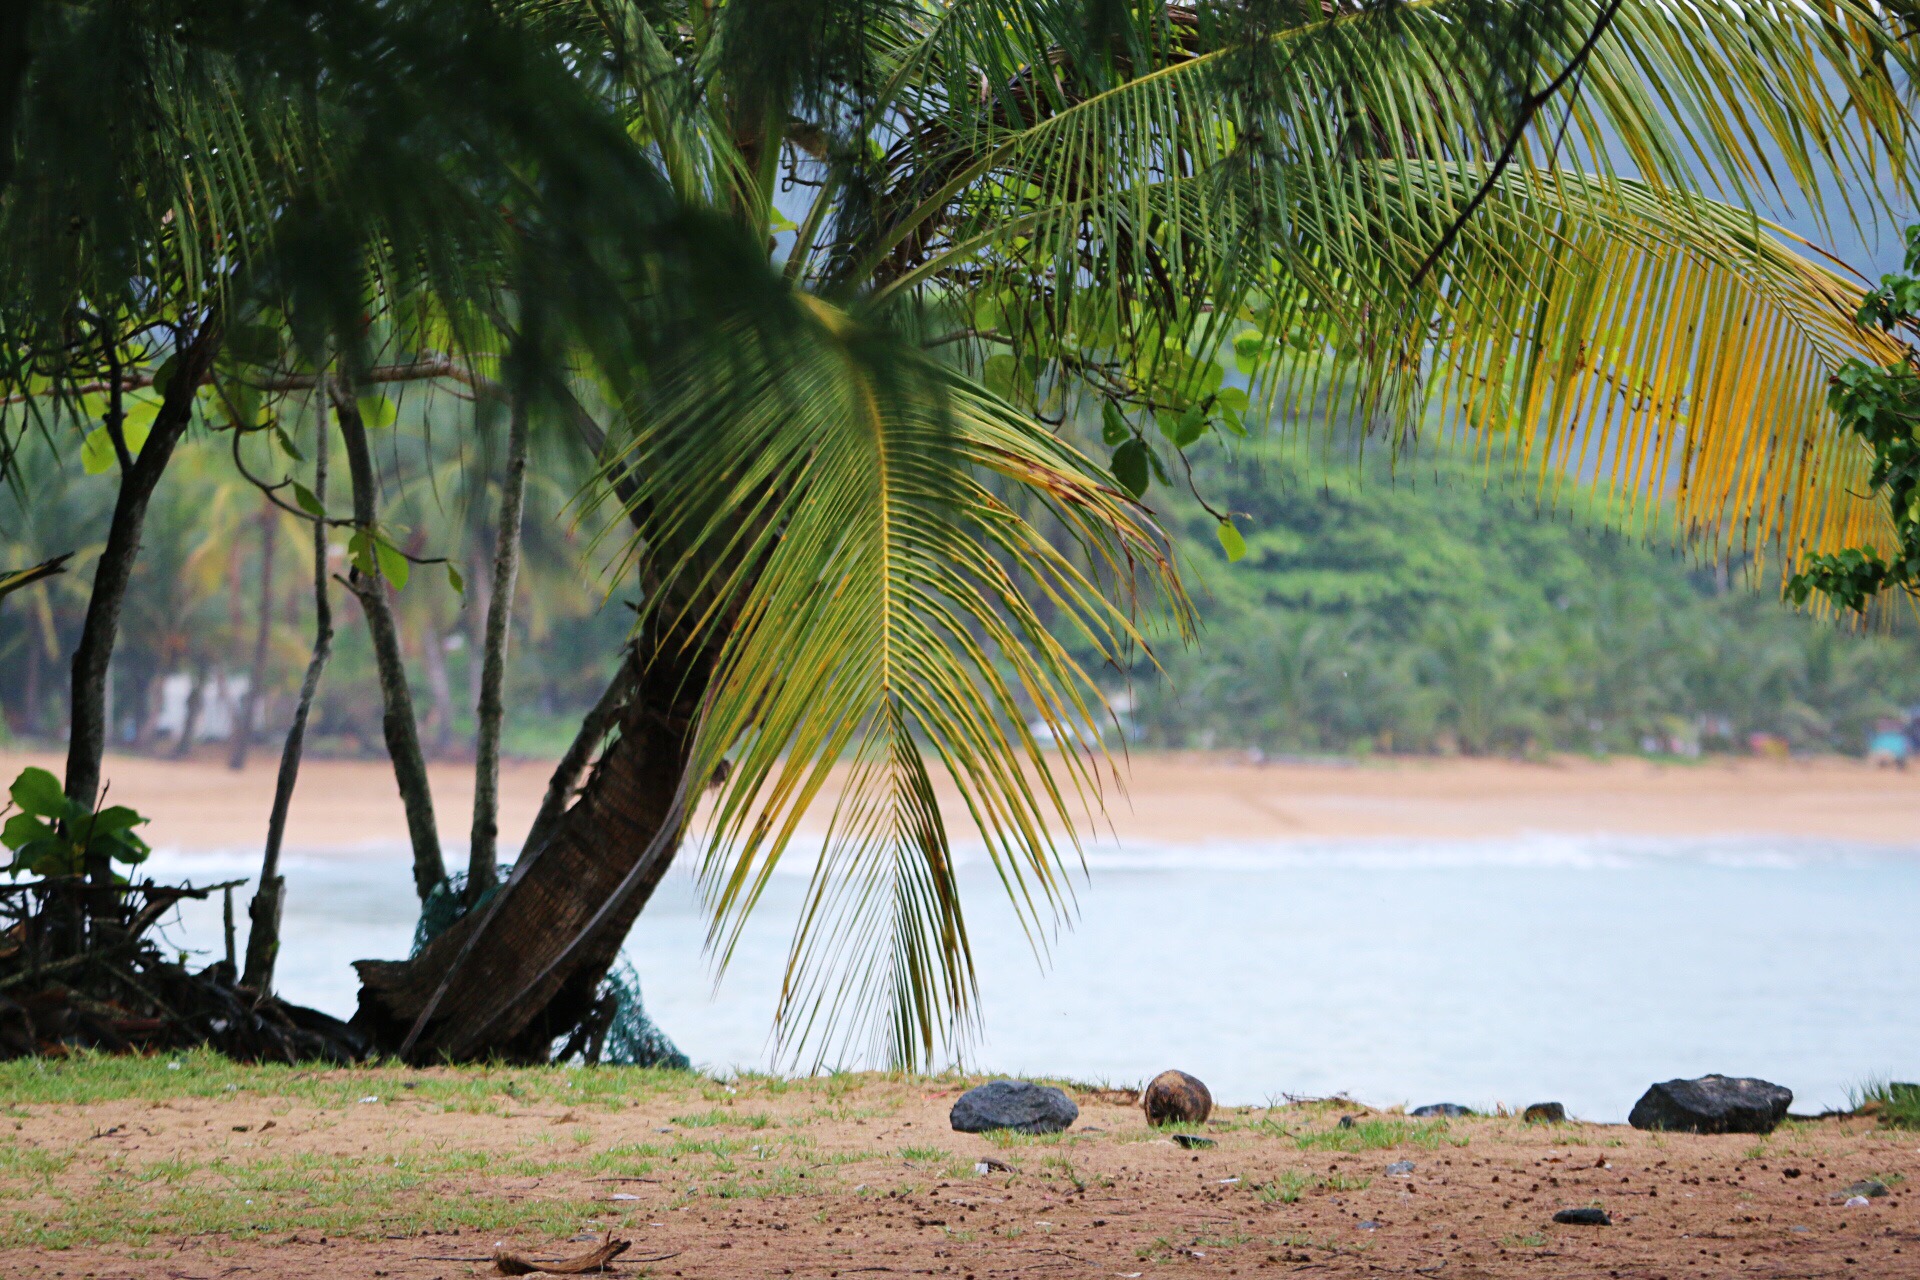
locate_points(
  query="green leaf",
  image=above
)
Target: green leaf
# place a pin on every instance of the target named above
(307, 502)
(114, 818)
(38, 792)
(163, 376)
(96, 452)
(286, 442)
(23, 829)
(1183, 430)
(377, 411)
(1130, 462)
(1231, 542)
(1113, 427)
(241, 403)
(457, 582)
(393, 565)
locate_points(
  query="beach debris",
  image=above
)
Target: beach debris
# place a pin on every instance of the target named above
(989, 1164)
(1545, 1113)
(1583, 1218)
(623, 1195)
(512, 1264)
(1712, 1104)
(1368, 1225)
(1347, 1122)
(1013, 1104)
(1174, 1097)
(1447, 1110)
(1192, 1141)
(1857, 1202)
(1400, 1169)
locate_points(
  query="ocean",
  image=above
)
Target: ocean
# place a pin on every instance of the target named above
(1485, 972)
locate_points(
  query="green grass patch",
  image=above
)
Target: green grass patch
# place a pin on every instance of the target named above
(1893, 1103)
(1379, 1135)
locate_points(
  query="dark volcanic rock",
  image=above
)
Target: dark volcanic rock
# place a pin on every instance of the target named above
(1583, 1218)
(1175, 1097)
(1451, 1110)
(1544, 1113)
(1014, 1104)
(1712, 1104)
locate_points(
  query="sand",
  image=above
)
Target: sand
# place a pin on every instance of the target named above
(1174, 798)
(420, 1176)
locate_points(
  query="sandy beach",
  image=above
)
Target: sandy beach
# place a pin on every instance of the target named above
(1173, 798)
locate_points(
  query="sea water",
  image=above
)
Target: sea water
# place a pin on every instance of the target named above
(1576, 970)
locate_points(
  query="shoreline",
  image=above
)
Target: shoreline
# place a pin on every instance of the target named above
(1159, 799)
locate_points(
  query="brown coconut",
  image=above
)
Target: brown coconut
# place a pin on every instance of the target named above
(1175, 1097)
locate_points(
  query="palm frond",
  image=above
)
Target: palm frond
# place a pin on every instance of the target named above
(879, 605)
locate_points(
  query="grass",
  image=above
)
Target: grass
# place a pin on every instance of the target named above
(1894, 1104)
(1378, 1135)
(1292, 1184)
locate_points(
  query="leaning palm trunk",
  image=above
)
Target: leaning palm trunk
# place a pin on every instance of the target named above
(505, 981)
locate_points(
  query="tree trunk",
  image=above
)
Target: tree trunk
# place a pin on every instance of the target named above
(484, 848)
(396, 721)
(190, 714)
(257, 679)
(507, 980)
(263, 933)
(87, 738)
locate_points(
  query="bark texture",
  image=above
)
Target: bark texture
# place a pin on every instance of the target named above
(263, 931)
(505, 981)
(397, 721)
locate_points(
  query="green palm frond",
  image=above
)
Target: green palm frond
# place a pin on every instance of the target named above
(883, 608)
(11, 580)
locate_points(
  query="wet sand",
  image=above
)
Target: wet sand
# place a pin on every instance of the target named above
(1172, 798)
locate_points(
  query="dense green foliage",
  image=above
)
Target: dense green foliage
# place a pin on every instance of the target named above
(1434, 605)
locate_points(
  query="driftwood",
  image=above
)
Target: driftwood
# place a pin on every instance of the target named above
(512, 1264)
(74, 980)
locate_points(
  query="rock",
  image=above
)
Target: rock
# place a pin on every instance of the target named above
(1872, 1188)
(988, 1165)
(1175, 1097)
(1192, 1141)
(1583, 1218)
(1347, 1122)
(1858, 1202)
(1545, 1113)
(1450, 1110)
(1016, 1105)
(1712, 1104)
(1400, 1169)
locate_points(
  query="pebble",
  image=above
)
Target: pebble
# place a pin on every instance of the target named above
(1450, 1110)
(1858, 1202)
(1400, 1169)
(1192, 1141)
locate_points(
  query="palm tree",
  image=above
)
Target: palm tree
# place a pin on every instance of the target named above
(993, 215)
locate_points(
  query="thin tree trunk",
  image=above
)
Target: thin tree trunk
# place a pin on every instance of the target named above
(484, 847)
(397, 720)
(566, 775)
(263, 933)
(257, 679)
(87, 738)
(190, 714)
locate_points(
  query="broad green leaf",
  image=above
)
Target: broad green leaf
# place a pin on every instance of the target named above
(23, 829)
(1231, 542)
(304, 498)
(96, 452)
(1113, 428)
(114, 818)
(393, 566)
(1130, 463)
(377, 411)
(38, 792)
(286, 443)
(455, 580)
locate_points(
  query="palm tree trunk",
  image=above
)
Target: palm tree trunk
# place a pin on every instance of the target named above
(87, 737)
(397, 720)
(503, 982)
(263, 932)
(263, 634)
(484, 848)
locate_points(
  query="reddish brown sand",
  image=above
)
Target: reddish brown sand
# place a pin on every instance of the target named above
(1176, 798)
(863, 1177)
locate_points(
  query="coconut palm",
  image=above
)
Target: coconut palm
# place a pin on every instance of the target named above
(993, 215)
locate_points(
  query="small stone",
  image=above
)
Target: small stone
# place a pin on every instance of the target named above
(1450, 1110)
(1174, 1097)
(1369, 1225)
(1192, 1141)
(1712, 1104)
(1872, 1188)
(1400, 1169)
(1583, 1218)
(990, 1165)
(1545, 1113)
(1347, 1122)
(1015, 1105)
(1858, 1202)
